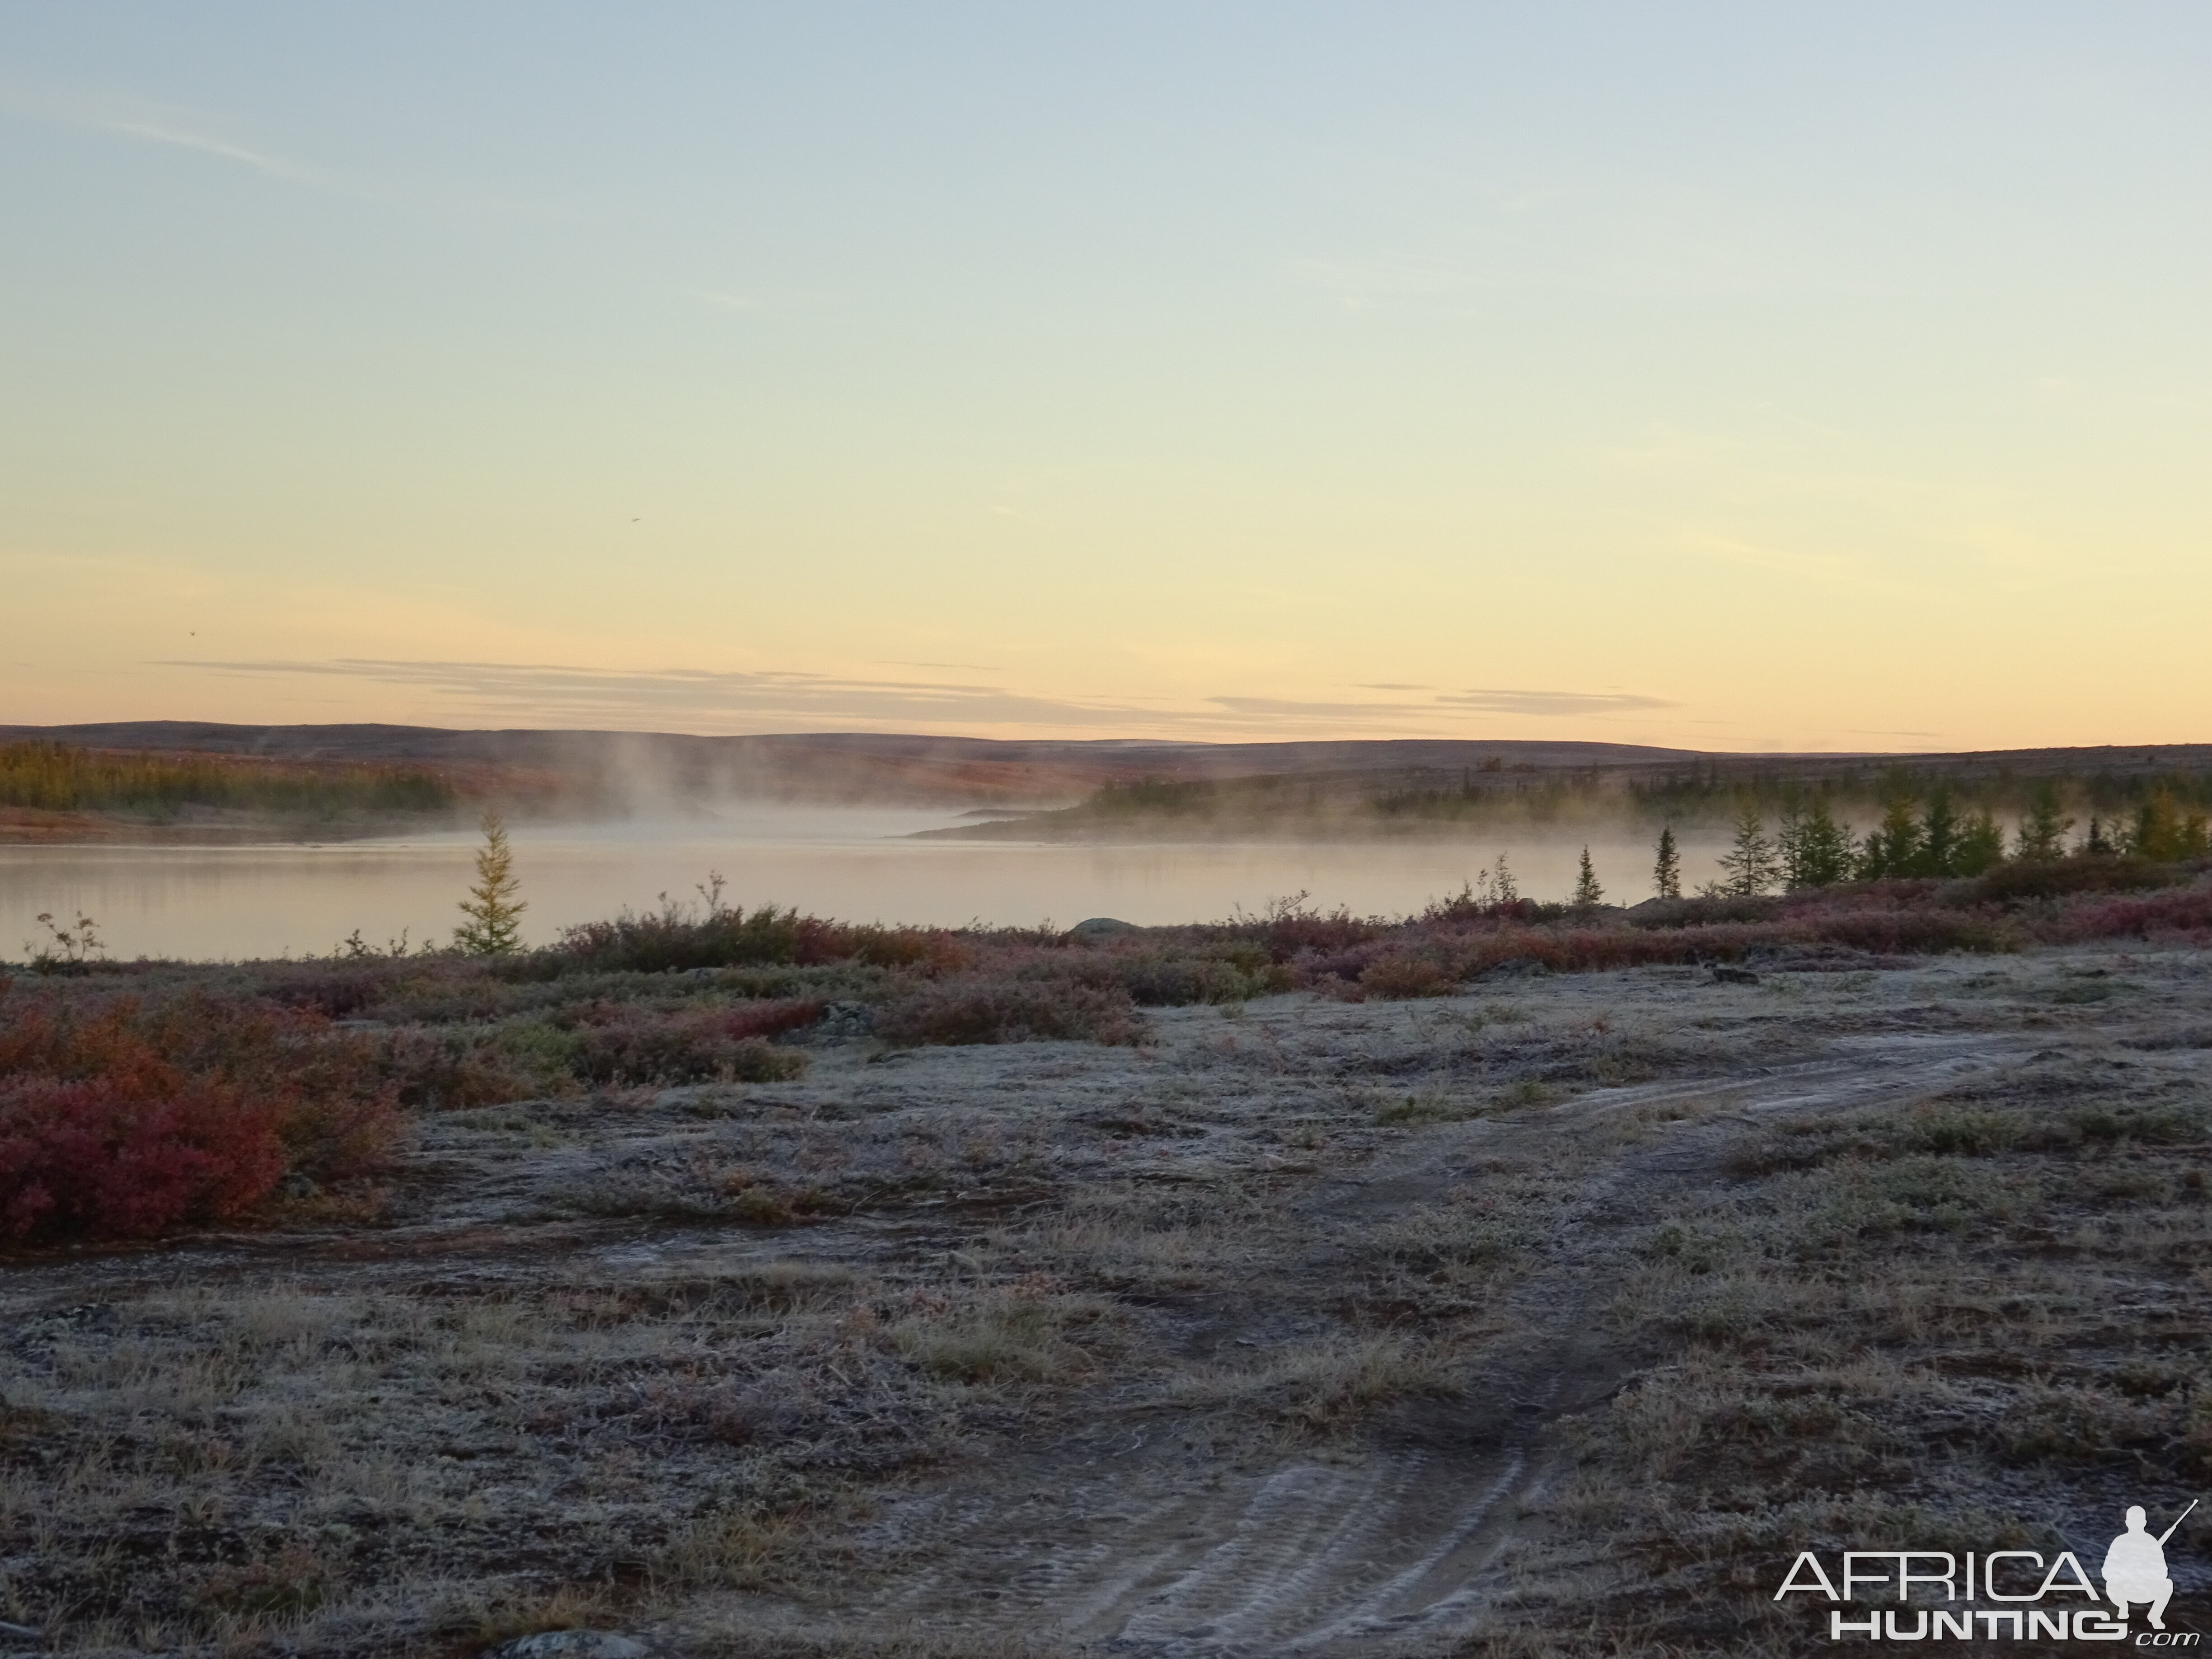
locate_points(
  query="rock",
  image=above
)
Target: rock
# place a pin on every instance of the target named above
(1098, 927)
(1725, 974)
(570, 1645)
(844, 1019)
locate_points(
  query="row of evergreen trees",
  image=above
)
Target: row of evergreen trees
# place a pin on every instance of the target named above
(1811, 847)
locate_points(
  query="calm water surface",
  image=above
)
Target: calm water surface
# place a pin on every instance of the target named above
(242, 902)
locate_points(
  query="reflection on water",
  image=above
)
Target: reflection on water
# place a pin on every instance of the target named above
(241, 901)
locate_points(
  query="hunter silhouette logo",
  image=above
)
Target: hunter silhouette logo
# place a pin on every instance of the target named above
(2135, 1567)
(2034, 1599)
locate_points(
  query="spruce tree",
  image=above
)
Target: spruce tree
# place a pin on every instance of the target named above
(1937, 853)
(1980, 846)
(1822, 848)
(1749, 865)
(494, 928)
(1789, 846)
(1587, 894)
(2042, 833)
(1667, 870)
(2163, 829)
(1892, 847)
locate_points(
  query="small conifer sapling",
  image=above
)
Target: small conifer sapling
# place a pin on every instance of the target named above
(1587, 894)
(1667, 870)
(494, 928)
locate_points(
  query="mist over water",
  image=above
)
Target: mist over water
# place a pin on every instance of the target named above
(854, 864)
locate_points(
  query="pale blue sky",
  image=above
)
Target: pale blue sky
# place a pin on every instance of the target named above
(1738, 376)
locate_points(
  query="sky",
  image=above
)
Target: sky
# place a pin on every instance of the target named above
(1736, 377)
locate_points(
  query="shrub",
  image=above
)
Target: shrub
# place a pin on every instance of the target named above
(625, 1043)
(2188, 911)
(453, 1069)
(1403, 974)
(678, 937)
(1914, 931)
(131, 1152)
(2056, 878)
(122, 1118)
(973, 1008)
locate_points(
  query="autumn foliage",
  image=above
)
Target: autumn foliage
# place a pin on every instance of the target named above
(192, 1097)
(123, 1118)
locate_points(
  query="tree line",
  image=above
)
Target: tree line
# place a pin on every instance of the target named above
(61, 778)
(1931, 836)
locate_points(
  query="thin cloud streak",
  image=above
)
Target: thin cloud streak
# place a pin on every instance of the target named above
(529, 691)
(168, 126)
(1554, 703)
(273, 166)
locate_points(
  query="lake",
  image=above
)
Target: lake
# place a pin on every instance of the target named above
(857, 865)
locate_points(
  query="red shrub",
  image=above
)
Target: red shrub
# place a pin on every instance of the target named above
(2188, 911)
(1914, 932)
(132, 1153)
(122, 1120)
(767, 1019)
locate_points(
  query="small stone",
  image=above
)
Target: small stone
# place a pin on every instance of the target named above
(570, 1645)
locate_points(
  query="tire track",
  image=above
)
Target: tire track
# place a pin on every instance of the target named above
(1154, 1553)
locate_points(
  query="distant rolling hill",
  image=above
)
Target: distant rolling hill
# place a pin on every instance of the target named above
(1136, 787)
(840, 766)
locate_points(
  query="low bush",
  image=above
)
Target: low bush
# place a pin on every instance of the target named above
(974, 1008)
(1400, 974)
(121, 1118)
(624, 1043)
(2186, 912)
(1164, 979)
(2060, 877)
(454, 1068)
(679, 937)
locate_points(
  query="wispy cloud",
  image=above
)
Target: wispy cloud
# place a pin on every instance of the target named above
(1547, 704)
(1291, 710)
(1554, 703)
(208, 145)
(176, 126)
(564, 690)
(535, 692)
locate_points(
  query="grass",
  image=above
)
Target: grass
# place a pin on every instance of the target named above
(1898, 1326)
